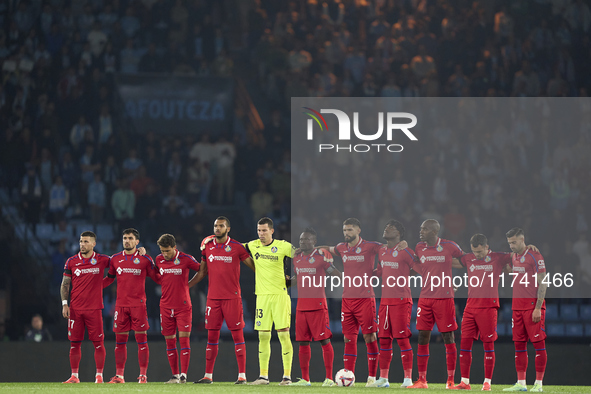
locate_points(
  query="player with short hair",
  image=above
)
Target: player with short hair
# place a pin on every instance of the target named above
(272, 259)
(480, 313)
(130, 268)
(396, 303)
(311, 266)
(358, 303)
(529, 309)
(175, 303)
(436, 305)
(83, 273)
(220, 260)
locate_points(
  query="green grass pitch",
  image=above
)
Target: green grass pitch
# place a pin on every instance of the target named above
(222, 387)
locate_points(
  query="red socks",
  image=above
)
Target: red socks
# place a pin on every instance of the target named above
(120, 353)
(328, 355)
(99, 355)
(305, 355)
(541, 359)
(385, 357)
(173, 355)
(75, 355)
(406, 355)
(466, 356)
(239, 349)
(489, 359)
(372, 358)
(211, 352)
(350, 356)
(143, 352)
(185, 353)
(521, 359)
(423, 360)
(451, 355)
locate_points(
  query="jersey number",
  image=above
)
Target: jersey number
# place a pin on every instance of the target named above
(115, 317)
(71, 323)
(419, 312)
(207, 310)
(259, 313)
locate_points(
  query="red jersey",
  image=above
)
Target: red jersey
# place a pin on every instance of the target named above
(223, 268)
(358, 263)
(392, 264)
(87, 280)
(483, 291)
(436, 261)
(525, 288)
(175, 279)
(310, 270)
(131, 271)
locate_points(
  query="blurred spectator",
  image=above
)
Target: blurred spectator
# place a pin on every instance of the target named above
(79, 131)
(123, 204)
(97, 198)
(131, 164)
(31, 192)
(225, 155)
(37, 333)
(261, 202)
(59, 198)
(197, 181)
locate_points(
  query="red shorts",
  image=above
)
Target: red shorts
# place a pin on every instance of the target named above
(436, 310)
(394, 321)
(218, 310)
(130, 318)
(481, 321)
(171, 319)
(359, 312)
(91, 319)
(524, 328)
(312, 325)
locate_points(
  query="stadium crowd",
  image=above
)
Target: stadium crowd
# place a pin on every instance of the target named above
(68, 153)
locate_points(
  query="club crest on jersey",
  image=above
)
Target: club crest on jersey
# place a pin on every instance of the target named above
(93, 261)
(522, 259)
(136, 261)
(312, 260)
(395, 253)
(487, 259)
(176, 261)
(439, 248)
(358, 250)
(258, 322)
(228, 248)
(274, 249)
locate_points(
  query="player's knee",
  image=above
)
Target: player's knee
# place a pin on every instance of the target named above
(424, 337)
(324, 342)
(448, 337)
(369, 338)
(306, 343)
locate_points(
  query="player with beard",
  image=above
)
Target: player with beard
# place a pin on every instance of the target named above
(84, 274)
(131, 267)
(358, 303)
(394, 267)
(436, 305)
(311, 266)
(220, 260)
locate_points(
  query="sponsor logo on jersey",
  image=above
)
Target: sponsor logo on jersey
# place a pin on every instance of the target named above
(133, 271)
(266, 256)
(228, 248)
(223, 259)
(541, 264)
(306, 271)
(174, 271)
(391, 264)
(481, 267)
(93, 271)
(93, 261)
(432, 259)
(353, 258)
(136, 261)
(519, 269)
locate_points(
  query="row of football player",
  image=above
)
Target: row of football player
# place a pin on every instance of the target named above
(432, 254)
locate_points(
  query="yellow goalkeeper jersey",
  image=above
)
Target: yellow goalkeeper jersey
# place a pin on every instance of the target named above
(269, 265)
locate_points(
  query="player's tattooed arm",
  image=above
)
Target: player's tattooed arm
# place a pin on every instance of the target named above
(65, 293)
(537, 314)
(249, 262)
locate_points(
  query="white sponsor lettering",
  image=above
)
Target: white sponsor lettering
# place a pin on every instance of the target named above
(174, 271)
(133, 271)
(94, 271)
(481, 267)
(390, 264)
(306, 271)
(519, 269)
(432, 259)
(223, 259)
(353, 258)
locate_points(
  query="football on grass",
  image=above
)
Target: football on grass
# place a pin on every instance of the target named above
(344, 378)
